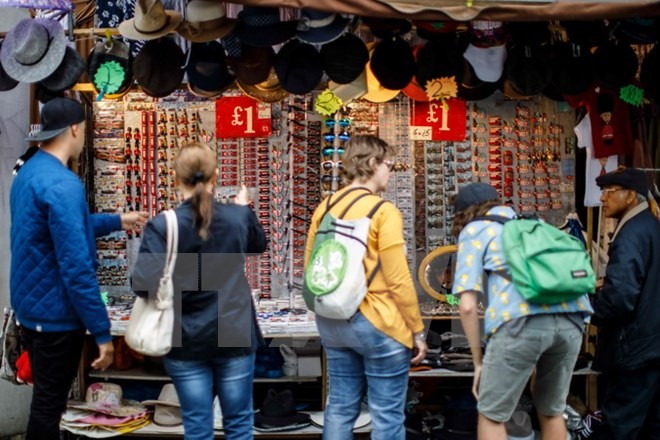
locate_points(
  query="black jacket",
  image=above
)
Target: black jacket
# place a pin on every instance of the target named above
(627, 308)
(214, 312)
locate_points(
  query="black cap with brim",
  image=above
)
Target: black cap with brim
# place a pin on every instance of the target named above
(474, 193)
(628, 178)
(56, 116)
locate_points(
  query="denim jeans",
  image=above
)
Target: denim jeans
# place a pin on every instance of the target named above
(361, 357)
(198, 382)
(54, 358)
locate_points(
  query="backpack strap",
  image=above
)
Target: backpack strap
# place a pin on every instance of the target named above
(330, 205)
(493, 218)
(370, 216)
(353, 202)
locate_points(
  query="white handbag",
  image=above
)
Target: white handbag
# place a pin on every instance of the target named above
(152, 320)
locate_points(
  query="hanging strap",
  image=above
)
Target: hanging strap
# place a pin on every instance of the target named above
(172, 243)
(329, 205)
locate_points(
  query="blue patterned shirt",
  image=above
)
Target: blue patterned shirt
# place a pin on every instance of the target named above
(479, 250)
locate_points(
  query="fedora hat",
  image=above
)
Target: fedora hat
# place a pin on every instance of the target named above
(110, 69)
(298, 67)
(262, 27)
(393, 63)
(167, 411)
(344, 58)
(615, 64)
(106, 398)
(268, 91)
(208, 75)
(376, 92)
(6, 81)
(519, 426)
(67, 74)
(206, 21)
(33, 49)
(158, 67)
(151, 21)
(278, 413)
(318, 27)
(253, 64)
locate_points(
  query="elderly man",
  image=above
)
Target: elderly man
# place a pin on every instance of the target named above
(627, 311)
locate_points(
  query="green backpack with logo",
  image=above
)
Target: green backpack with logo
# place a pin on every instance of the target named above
(546, 265)
(335, 280)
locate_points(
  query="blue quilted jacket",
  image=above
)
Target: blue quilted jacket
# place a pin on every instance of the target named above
(53, 265)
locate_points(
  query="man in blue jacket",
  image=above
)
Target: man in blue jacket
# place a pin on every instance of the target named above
(627, 311)
(54, 290)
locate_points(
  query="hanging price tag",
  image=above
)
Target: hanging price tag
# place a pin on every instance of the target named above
(420, 133)
(242, 116)
(446, 122)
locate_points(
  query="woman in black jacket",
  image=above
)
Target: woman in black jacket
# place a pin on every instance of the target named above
(215, 329)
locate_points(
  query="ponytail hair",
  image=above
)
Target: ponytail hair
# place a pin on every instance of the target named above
(195, 166)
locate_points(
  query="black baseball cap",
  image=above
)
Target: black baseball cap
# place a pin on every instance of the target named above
(56, 116)
(474, 193)
(628, 178)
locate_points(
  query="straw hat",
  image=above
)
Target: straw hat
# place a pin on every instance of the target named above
(269, 91)
(206, 21)
(151, 21)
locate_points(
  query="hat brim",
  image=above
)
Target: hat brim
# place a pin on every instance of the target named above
(263, 36)
(68, 72)
(318, 419)
(46, 66)
(127, 409)
(45, 135)
(210, 93)
(268, 96)
(160, 402)
(207, 35)
(324, 34)
(270, 423)
(127, 27)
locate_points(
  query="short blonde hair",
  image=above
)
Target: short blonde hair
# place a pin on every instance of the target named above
(357, 153)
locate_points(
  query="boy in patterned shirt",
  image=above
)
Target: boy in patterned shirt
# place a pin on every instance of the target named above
(520, 336)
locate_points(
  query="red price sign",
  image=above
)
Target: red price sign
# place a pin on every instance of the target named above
(445, 122)
(241, 116)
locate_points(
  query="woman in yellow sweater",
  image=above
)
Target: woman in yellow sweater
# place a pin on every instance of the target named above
(371, 351)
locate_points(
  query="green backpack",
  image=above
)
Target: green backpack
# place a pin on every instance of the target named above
(335, 281)
(546, 265)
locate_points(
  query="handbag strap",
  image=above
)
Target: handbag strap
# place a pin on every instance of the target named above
(172, 242)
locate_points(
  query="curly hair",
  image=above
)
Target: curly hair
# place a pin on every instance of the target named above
(465, 216)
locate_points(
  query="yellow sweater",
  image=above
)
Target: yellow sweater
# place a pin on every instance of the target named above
(391, 302)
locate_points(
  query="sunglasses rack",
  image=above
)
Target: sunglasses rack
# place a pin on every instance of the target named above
(336, 135)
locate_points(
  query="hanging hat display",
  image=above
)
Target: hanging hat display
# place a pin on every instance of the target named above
(343, 59)
(253, 64)
(262, 27)
(67, 74)
(376, 92)
(387, 27)
(158, 67)
(318, 27)
(110, 69)
(208, 75)
(33, 49)
(615, 64)
(298, 67)
(151, 21)
(471, 88)
(650, 73)
(487, 49)
(393, 63)
(438, 59)
(205, 21)
(528, 69)
(269, 91)
(107, 398)
(571, 68)
(6, 81)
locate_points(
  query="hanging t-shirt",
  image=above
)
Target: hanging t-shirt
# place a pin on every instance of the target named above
(610, 126)
(594, 167)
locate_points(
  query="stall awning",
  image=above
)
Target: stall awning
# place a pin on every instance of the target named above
(522, 10)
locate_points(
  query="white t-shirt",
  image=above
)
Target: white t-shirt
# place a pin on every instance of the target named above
(595, 167)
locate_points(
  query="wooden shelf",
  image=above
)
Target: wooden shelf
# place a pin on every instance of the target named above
(140, 374)
(442, 372)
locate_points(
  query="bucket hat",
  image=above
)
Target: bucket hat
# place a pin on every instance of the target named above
(268, 91)
(262, 27)
(67, 74)
(298, 67)
(158, 67)
(278, 413)
(376, 92)
(251, 65)
(319, 27)
(205, 21)
(519, 426)
(151, 21)
(208, 75)
(344, 58)
(56, 116)
(167, 411)
(33, 49)
(110, 69)
(393, 63)
(6, 81)
(106, 398)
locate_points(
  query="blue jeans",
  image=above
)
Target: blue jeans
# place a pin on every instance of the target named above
(361, 357)
(198, 382)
